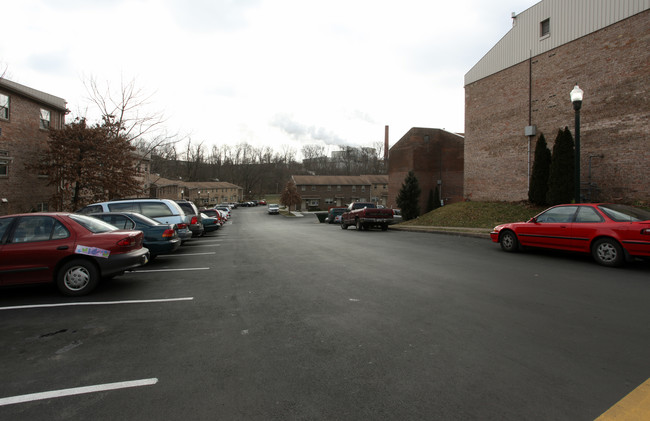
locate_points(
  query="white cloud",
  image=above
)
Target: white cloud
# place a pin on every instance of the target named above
(267, 72)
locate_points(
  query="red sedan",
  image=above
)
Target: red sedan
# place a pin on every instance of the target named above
(611, 233)
(75, 251)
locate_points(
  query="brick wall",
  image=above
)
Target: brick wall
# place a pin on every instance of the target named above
(612, 66)
(25, 142)
(438, 158)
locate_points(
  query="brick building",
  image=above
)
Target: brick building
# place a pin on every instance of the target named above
(520, 89)
(436, 158)
(202, 193)
(26, 116)
(321, 192)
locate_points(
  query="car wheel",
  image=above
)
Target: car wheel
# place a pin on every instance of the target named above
(509, 241)
(359, 225)
(77, 277)
(608, 252)
(343, 226)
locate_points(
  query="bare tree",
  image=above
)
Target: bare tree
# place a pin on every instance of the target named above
(290, 195)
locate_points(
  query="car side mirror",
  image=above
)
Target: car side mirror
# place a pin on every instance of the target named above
(533, 220)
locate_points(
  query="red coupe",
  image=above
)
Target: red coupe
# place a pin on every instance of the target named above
(611, 233)
(75, 251)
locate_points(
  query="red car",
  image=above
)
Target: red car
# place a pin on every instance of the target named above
(75, 251)
(611, 233)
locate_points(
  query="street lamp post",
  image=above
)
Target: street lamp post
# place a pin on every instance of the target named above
(576, 99)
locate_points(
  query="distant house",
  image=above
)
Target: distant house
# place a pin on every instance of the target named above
(202, 193)
(436, 158)
(26, 117)
(321, 192)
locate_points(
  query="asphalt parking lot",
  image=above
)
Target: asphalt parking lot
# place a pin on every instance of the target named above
(284, 318)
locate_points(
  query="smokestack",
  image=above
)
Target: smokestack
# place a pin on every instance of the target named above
(386, 145)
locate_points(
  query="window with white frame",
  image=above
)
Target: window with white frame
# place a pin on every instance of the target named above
(45, 119)
(313, 188)
(303, 188)
(363, 188)
(5, 160)
(338, 188)
(4, 107)
(354, 188)
(329, 201)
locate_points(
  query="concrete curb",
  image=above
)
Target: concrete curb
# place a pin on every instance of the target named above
(457, 231)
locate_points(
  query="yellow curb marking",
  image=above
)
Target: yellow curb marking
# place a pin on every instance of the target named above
(635, 406)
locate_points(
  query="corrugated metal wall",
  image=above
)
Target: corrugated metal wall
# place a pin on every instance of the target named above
(569, 20)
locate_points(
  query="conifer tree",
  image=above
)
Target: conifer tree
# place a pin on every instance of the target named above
(539, 177)
(560, 180)
(409, 196)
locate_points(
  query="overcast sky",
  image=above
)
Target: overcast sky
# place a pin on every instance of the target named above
(279, 73)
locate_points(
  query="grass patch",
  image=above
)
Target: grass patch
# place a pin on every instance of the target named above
(477, 214)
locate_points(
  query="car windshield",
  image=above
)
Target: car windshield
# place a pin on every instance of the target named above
(624, 213)
(93, 225)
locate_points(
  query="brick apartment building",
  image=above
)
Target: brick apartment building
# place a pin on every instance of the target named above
(202, 193)
(520, 89)
(26, 116)
(436, 158)
(321, 192)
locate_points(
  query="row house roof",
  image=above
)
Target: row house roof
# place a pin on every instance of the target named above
(35, 95)
(339, 180)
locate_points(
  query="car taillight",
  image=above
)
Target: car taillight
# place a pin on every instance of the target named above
(182, 226)
(169, 233)
(195, 220)
(126, 242)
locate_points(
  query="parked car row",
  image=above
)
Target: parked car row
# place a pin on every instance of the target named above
(99, 241)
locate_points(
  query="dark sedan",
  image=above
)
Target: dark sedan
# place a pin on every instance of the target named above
(611, 233)
(210, 223)
(75, 251)
(159, 238)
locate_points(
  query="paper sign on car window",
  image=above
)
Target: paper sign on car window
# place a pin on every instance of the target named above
(92, 251)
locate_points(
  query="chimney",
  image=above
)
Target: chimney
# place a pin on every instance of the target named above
(386, 145)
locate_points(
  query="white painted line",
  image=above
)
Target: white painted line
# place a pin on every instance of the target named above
(76, 391)
(98, 303)
(186, 254)
(166, 270)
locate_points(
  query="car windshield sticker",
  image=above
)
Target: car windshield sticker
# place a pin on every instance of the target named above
(92, 251)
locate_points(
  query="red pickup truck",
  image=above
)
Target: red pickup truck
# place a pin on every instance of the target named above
(365, 215)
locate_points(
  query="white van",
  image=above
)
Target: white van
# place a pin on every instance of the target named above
(162, 210)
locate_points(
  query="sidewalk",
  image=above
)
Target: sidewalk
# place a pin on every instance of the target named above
(460, 231)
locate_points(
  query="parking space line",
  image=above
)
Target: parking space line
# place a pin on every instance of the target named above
(98, 303)
(76, 391)
(165, 270)
(186, 254)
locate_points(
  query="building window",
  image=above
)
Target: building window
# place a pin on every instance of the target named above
(45, 119)
(354, 188)
(329, 188)
(313, 188)
(4, 107)
(363, 188)
(303, 188)
(329, 201)
(545, 28)
(4, 163)
(338, 188)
